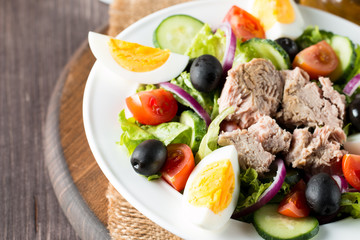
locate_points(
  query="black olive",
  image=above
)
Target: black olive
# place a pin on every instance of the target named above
(354, 112)
(206, 73)
(323, 194)
(289, 46)
(149, 157)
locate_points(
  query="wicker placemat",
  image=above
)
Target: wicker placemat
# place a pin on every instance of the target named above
(124, 221)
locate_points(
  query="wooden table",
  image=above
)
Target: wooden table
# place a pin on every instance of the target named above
(37, 39)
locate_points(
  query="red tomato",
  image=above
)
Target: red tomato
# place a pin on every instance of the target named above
(294, 204)
(243, 24)
(178, 166)
(152, 107)
(351, 169)
(317, 60)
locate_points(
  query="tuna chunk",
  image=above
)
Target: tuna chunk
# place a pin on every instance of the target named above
(258, 145)
(270, 135)
(254, 89)
(305, 104)
(250, 152)
(316, 151)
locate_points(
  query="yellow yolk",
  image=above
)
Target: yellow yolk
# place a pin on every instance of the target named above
(271, 11)
(213, 187)
(137, 58)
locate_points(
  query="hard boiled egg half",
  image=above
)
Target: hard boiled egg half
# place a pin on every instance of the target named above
(280, 18)
(212, 190)
(136, 62)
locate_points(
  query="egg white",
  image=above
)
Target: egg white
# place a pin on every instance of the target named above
(291, 30)
(202, 216)
(175, 64)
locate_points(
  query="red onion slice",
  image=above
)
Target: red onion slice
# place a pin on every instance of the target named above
(181, 93)
(341, 182)
(352, 85)
(229, 53)
(269, 193)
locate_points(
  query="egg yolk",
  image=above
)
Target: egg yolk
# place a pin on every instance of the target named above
(271, 11)
(213, 186)
(137, 58)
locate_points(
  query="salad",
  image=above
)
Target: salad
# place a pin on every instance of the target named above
(186, 136)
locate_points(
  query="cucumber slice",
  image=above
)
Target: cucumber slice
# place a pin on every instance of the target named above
(345, 51)
(263, 48)
(197, 125)
(176, 32)
(272, 225)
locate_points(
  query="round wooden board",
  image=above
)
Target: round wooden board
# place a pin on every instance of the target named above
(78, 182)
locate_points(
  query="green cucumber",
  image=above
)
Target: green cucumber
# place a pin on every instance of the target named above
(263, 48)
(176, 32)
(197, 125)
(272, 225)
(345, 51)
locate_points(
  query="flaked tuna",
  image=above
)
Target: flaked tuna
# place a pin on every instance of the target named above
(254, 89)
(305, 104)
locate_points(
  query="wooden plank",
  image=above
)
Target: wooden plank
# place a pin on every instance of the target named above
(78, 182)
(37, 39)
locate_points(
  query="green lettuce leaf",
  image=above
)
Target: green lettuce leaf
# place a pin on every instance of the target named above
(206, 42)
(251, 188)
(350, 204)
(132, 134)
(207, 100)
(170, 132)
(311, 36)
(145, 87)
(135, 133)
(209, 141)
(356, 69)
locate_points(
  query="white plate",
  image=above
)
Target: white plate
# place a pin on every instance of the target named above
(104, 99)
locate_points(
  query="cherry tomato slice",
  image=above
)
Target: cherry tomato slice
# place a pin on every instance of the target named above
(351, 169)
(243, 24)
(152, 107)
(317, 60)
(178, 166)
(294, 204)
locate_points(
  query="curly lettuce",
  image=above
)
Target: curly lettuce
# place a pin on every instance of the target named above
(350, 204)
(207, 42)
(135, 133)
